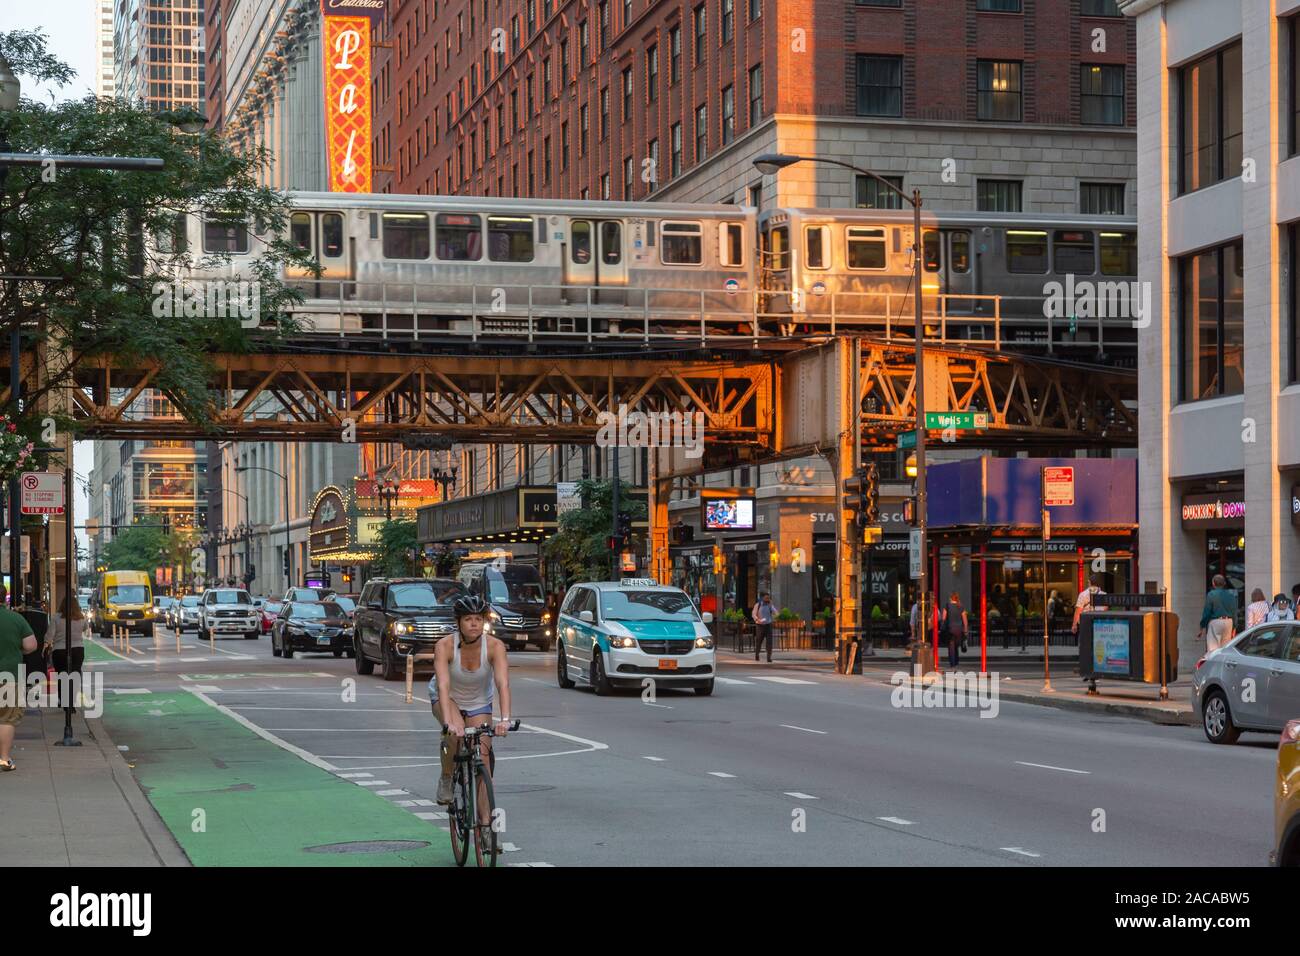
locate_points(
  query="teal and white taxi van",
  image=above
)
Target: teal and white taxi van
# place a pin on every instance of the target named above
(618, 633)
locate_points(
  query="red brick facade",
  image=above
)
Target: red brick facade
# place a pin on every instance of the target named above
(805, 49)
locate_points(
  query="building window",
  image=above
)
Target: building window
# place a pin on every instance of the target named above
(728, 19)
(1210, 312)
(1101, 95)
(755, 95)
(871, 194)
(676, 169)
(530, 104)
(564, 62)
(728, 115)
(1101, 199)
(627, 177)
(546, 80)
(880, 85)
(998, 195)
(627, 95)
(604, 113)
(603, 27)
(1100, 8)
(546, 160)
(1209, 104)
(674, 54)
(604, 186)
(564, 146)
(1293, 235)
(699, 34)
(998, 83)
(514, 35)
(701, 132)
(531, 12)
(584, 124)
(532, 181)
(999, 6)
(652, 73)
(1295, 87)
(584, 44)
(755, 10)
(514, 110)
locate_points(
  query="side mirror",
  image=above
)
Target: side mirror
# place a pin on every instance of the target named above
(707, 617)
(376, 605)
(586, 617)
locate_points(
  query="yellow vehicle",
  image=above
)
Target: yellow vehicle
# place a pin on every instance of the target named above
(123, 598)
(1286, 798)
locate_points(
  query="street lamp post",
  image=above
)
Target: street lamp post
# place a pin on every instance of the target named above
(771, 163)
(445, 480)
(387, 489)
(288, 548)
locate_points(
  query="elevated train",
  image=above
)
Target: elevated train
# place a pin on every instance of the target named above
(430, 268)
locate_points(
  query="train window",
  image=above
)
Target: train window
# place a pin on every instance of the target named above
(779, 249)
(683, 243)
(930, 243)
(300, 231)
(959, 252)
(331, 235)
(174, 240)
(1026, 251)
(510, 238)
(460, 237)
(733, 244)
(225, 235)
(1072, 252)
(406, 235)
(816, 241)
(1119, 253)
(866, 248)
(374, 225)
(650, 232)
(611, 243)
(581, 242)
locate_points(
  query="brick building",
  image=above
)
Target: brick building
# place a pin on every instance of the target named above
(990, 104)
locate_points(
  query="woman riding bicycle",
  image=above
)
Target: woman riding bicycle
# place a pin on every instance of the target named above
(466, 665)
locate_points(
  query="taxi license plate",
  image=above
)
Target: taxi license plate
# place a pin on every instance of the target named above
(323, 639)
(667, 665)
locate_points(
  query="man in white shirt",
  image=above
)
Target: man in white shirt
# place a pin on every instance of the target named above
(1087, 601)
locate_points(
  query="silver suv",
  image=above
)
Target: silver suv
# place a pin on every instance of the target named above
(228, 611)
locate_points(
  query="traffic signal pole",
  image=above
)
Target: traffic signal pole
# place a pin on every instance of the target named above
(849, 535)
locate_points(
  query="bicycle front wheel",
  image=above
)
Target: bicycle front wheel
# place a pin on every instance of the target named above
(485, 834)
(459, 816)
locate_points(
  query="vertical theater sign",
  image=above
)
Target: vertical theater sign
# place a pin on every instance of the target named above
(347, 51)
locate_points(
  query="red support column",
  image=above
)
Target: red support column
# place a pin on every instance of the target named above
(1083, 581)
(935, 578)
(984, 610)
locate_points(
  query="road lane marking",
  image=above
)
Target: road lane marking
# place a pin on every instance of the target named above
(414, 803)
(357, 730)
(352, 776)
(800, 796)
(1047, 766)
(132, 690)
(1021, 851)
(551, 865)
(719, 773)
(342, 708)
(898, 820)
(664, 706)
(206, 688)
(394, 793)
(783, 680)
(262, 732)
(806, 730)
(372, 783)
(655, 759)
(732, 680)
(432, 816)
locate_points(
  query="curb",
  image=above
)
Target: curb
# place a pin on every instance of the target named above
(165, 847)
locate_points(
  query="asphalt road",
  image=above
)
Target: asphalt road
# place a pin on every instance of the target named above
(783, 765)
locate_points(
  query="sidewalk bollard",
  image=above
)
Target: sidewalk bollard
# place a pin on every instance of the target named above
(212, 640)
(410, 674)
(178, 640)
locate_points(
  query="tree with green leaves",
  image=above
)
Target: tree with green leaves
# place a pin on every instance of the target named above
(104, 243)
(581, 544)
(397, 544)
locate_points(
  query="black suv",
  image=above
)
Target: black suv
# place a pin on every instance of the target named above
(397, 617)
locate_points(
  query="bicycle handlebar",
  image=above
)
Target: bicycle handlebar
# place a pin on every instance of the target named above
(489, 728)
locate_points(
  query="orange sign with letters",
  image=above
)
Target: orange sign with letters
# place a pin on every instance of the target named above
(347, 103)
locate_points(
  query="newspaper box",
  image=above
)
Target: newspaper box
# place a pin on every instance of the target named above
(1129, 645)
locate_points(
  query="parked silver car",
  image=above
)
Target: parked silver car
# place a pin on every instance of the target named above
(1253, 683)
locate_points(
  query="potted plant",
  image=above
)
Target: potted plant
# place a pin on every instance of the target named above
(731, 627)
(788, 629)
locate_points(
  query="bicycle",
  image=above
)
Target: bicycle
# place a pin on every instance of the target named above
(471, 796)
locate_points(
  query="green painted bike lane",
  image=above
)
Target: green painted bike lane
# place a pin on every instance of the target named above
(261, 805)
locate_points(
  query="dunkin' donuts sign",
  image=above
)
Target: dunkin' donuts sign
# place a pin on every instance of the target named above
(347, 91)
(1213, 511)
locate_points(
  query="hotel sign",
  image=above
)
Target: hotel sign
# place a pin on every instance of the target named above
(347, 52)
(1213, 512)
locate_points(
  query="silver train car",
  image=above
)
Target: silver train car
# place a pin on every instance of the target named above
(437, 267)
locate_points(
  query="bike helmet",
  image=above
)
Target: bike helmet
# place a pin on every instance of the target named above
(470, 604)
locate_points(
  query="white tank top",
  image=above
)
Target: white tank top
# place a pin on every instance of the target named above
(471, 690)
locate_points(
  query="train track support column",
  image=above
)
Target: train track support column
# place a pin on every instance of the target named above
(660, 490)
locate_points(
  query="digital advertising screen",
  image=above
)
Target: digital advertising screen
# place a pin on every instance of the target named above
(1110, 645)
(729, 514)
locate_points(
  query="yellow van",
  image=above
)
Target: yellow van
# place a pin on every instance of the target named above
(123, 598)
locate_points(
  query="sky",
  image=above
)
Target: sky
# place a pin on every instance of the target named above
(70, 26)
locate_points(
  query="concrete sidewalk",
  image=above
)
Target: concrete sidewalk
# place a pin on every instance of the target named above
(77, 806)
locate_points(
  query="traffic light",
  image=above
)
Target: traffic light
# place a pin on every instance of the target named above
(871, 494)
(718, 565)
(909, 511)
(624, 529)
(681, 533)
(286, 564)
(612, 542)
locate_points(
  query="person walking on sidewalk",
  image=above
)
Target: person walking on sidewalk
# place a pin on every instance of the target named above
(16, 639)
(954, 626)
(763, 614)
(66, 607)
(1281, 609)
(1258, 608)
(1220, 614)
(1087, 601)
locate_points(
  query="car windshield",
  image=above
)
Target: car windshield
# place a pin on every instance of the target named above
(128, 594)
(421, 594)
(647, 606)
(232, 597)
(509, 589)
(190, 600)
(347, 604)
(317, 611)
(272, 607)
(164, 601)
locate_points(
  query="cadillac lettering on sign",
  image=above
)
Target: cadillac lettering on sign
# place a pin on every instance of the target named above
(347, 91)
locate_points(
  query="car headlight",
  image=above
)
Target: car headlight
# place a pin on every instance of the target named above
(622, 642)
(704, 642)
(546, 616)
(401, 627)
